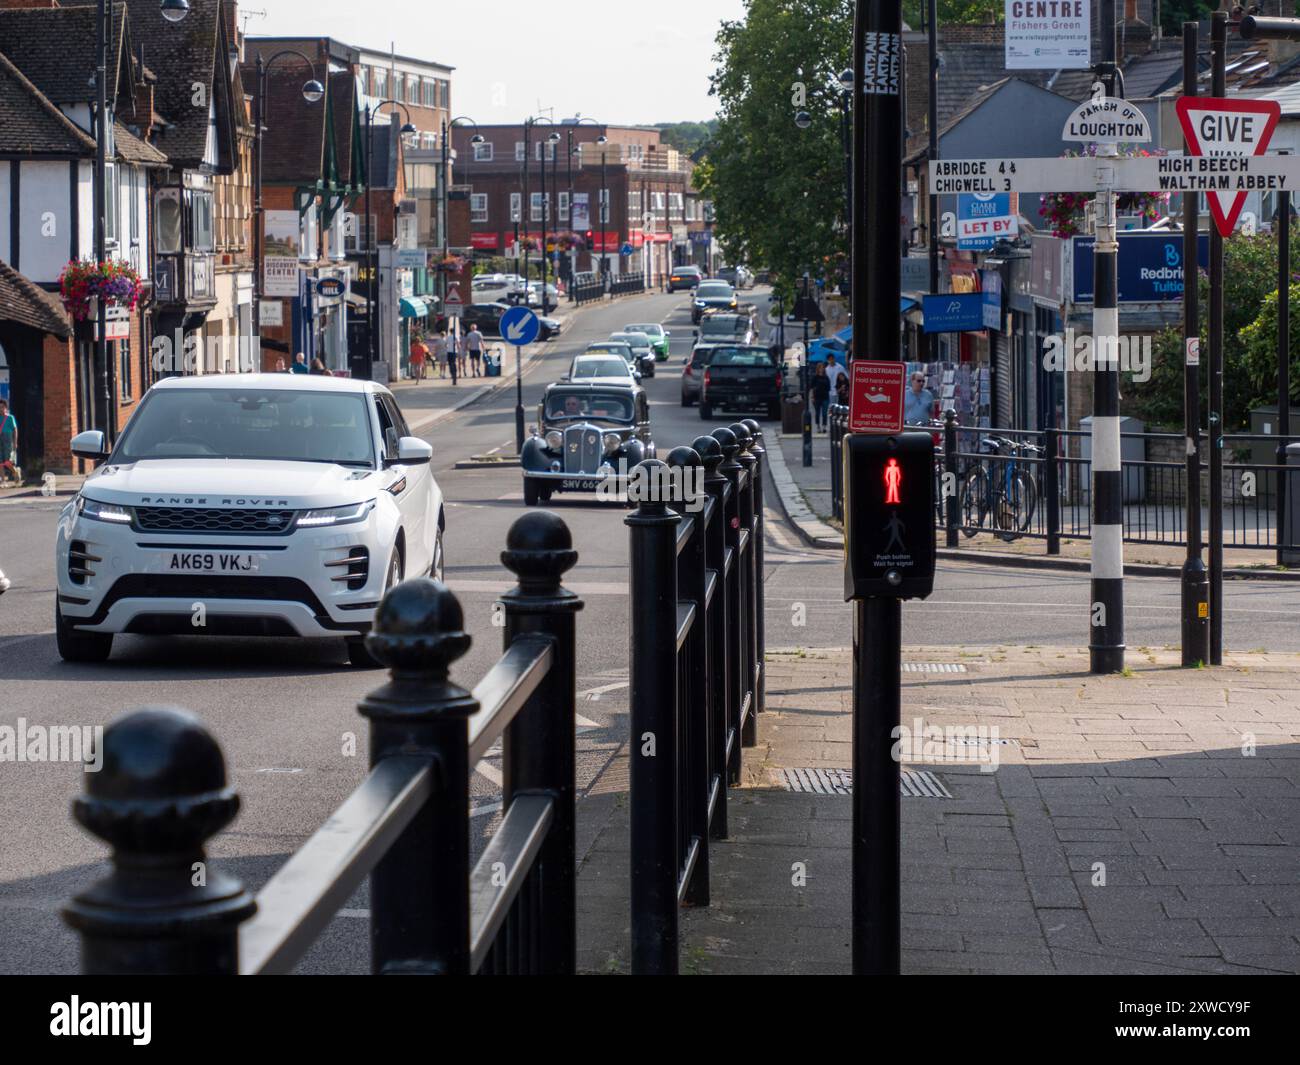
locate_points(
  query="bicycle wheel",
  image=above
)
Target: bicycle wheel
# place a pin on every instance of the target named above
(974, 501)
(1014, 507)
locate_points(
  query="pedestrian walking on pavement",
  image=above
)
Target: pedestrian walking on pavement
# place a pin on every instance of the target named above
(835, 371)
(9, 470)
(438, 351)
(449, 347)
(419, 354)
(474, 345)
(318, 368)
(300, 364)
(821, 395)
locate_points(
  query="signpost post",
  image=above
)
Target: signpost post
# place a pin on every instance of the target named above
(1194, 585)
(519, 326)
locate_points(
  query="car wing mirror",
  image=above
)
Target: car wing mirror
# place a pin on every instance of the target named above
(412, 451)
(90, 445)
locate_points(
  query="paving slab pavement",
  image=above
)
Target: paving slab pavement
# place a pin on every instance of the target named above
(1143, 823)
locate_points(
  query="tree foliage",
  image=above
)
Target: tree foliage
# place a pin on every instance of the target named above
(687, 136)
(1249, 340)
(777, 190)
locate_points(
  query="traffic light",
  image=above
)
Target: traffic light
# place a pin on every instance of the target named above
(590, 245)
(888, 516)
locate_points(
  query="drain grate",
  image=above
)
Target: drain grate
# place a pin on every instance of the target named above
(913, 783)
(933, 667)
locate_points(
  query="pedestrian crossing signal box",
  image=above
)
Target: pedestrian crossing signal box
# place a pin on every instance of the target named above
(888, 515)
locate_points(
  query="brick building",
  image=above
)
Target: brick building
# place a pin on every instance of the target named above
(631, 191)
(51, 369)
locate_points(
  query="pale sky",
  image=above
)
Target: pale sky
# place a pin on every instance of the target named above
(613, 60)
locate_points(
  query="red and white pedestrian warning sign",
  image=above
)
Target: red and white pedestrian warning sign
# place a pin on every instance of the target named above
(876, 396)
(1214, 126)
(453, 297)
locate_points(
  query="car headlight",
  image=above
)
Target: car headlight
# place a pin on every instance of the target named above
(612, 443)
(353, 512)
(93, 508)
(699, 303)
(555, 440)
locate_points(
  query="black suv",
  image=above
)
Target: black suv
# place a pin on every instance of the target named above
(487, 316)
(684, 277)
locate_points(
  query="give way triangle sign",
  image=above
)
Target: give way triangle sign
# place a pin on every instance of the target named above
(1217, 126)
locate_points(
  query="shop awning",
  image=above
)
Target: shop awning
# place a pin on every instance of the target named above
(905, 304)
(414, 308)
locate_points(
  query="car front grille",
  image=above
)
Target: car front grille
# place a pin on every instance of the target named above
(582, 449)
(213, 520)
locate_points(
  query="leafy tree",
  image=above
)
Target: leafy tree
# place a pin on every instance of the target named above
(1249, 344)
(972, 12)
(777, 190)
(687, 136)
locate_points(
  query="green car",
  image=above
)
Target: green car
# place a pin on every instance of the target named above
(658, 338)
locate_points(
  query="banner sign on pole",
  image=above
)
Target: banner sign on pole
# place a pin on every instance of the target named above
(1214, 127)
(1048, 34)
(984, 218)
(992, 297)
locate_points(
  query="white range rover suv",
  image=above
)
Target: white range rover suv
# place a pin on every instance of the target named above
(256, 504)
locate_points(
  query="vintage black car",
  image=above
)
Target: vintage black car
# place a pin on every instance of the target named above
(587, 437)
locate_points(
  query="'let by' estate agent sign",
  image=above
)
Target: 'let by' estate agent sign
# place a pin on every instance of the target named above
(1048, 34)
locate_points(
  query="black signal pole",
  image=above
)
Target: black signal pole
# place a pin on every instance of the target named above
(932, 230)
(1195, 584)
(1218, 87)
(877, 624)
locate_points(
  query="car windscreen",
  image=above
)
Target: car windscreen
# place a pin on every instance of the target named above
(612, 406)
(742, 357)
(714, 290)
(624, 351)
(648, 330)
(245, 423)
(727, 327)
(635, 340)
(610, 367)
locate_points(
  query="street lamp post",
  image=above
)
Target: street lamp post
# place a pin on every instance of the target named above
(172, 11)
(372, 243)
(572, 151)
(443, 184)
(312, 91)
(807, 382)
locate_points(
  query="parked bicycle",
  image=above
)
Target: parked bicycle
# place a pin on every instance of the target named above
(1000, 488)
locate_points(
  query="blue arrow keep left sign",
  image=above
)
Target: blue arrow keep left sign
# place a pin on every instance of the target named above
(519, 326)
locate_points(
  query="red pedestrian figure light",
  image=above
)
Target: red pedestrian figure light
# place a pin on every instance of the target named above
(893, 481)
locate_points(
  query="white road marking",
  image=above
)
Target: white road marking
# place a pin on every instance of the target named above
(490, 771)
(596, 693)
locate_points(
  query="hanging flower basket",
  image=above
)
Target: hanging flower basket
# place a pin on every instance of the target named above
(529, 243)
(451, 264)
(569, 241)
(1064, 211)
(84, 281)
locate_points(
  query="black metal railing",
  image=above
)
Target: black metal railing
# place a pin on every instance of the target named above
(162, 793)
(622, 284)
(1016, 483)
(697, 674)
(587, 287)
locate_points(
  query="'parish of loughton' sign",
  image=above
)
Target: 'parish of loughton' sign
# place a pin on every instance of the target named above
(1108, 120)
